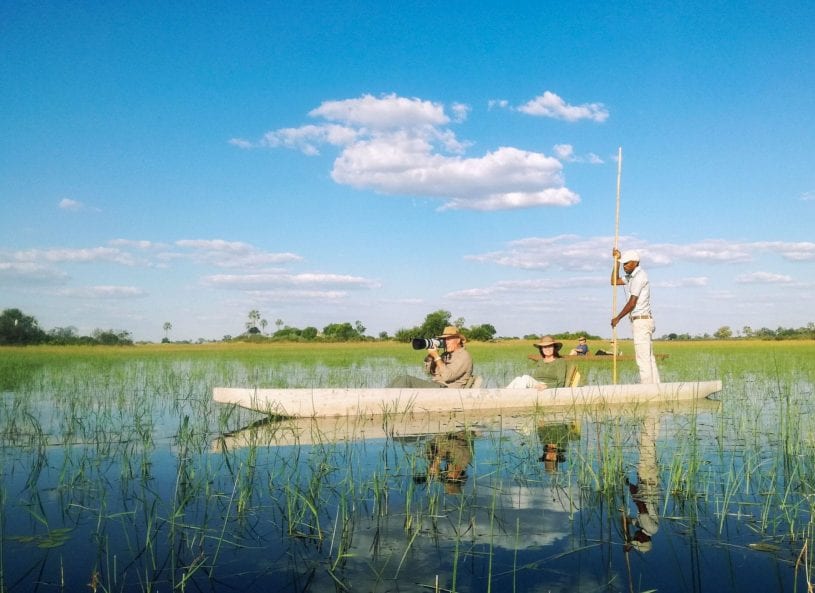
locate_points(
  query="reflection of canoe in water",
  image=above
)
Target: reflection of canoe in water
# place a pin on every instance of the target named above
(321, 402)
(609, 357)
(280, 431)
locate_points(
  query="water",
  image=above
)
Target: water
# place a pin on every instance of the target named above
(126, 477)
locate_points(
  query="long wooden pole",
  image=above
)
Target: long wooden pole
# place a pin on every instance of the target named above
(616, 269)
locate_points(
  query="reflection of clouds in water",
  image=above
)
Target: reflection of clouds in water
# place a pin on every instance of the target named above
(544, 516)
(550, 498)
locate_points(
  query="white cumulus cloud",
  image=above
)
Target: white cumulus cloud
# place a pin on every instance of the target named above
(383, 113)
(402, 146)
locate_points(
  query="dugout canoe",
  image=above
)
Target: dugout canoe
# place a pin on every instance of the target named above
(325, 402)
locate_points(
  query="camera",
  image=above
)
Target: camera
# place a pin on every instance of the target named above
(426, 343)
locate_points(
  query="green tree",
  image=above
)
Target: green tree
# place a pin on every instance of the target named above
(63, 335)
(404, 334)
(288, 333)
(435, 323)
(168, 327)
(723, 333)
(110, 337)
(341, 332)
(19, 329)
(481, 333)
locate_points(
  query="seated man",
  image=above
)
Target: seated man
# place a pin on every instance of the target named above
(454, 368)
(581, 349)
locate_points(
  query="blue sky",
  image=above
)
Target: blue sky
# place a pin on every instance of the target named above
(325, 162)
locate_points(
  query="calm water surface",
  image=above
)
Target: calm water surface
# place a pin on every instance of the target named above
(125, 477)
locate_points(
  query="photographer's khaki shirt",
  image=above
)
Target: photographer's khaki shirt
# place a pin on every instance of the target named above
(456, 370)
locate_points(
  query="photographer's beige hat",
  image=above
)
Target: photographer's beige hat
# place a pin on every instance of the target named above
(451, 331)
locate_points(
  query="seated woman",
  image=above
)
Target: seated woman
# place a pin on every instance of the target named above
(551, 370)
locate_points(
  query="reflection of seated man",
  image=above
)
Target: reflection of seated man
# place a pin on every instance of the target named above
(581, 349)
(448, 456)
(454, 368)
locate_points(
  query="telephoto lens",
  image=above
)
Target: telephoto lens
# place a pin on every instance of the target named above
(425, 343)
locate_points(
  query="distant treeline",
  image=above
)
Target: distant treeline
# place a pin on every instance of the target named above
(433, 325)
(748, 333)
(19, 329)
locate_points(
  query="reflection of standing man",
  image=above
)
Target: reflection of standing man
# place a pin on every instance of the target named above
(645, 493)
(638, 307)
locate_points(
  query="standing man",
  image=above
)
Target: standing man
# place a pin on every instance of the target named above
(638, 307)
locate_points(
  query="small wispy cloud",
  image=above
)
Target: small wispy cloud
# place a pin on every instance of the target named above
(267, 280)
(565, 153)
(103, 292)
(232, 254)
(572, 252)
(529, 287)
(87, 255)
(29, 273)
(69, 204)
(139, 245)
(808, 196)
(763, 278)
(74, 205)
(551, 105)
(290, 296)
(795, 251)
(697, 282)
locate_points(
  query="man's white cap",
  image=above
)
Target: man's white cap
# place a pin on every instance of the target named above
(629, 255)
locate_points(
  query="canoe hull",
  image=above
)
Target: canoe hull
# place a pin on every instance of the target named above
(326, 402)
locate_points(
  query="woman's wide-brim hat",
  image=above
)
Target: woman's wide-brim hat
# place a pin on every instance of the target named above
(548, 341)
(451, 331)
